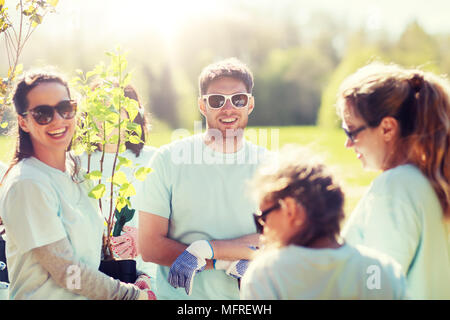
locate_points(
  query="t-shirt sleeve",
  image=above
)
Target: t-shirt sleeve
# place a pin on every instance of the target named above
(154, 193)
(388, 223)
(257, 284)
(31, 215)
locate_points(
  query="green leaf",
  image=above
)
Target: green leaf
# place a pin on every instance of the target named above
(98, 191)
(53, 3)
(141, 173)
(124, 162)
(127, 190)
(119, 178)
(94, 175)
(134, 140)
(121, 202)
(36, 19)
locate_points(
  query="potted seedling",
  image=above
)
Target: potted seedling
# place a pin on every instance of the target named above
(104, 122)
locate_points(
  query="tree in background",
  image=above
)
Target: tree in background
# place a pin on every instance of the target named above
(15, 36)
(288, 86)
(414, 48)
(162, 95)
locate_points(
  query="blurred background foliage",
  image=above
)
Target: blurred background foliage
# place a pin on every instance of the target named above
(298, 58)
(299, 51)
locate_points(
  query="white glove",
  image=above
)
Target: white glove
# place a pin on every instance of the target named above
(235, 269)
(188, 264)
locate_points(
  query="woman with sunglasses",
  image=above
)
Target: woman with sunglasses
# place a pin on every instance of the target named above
(53, 229)
(303, 257)
(398, 122)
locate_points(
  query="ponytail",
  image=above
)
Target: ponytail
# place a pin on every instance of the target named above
(430, 142)
(420, 102)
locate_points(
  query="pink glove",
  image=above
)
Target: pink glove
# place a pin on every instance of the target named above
(143, 283)
(125, 246)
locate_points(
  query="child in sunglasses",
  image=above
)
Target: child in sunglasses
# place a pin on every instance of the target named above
(303, 257)
(53, 229)
(398, 122)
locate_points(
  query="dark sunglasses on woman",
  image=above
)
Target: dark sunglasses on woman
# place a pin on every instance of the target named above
(44, 114)
(217, 101)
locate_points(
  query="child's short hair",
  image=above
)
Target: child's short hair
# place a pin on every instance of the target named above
(293, 173)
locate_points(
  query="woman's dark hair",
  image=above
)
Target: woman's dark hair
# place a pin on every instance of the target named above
(140, 119)
(24, 146)
(296, 174)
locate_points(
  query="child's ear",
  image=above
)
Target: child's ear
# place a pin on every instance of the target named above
(295, 211)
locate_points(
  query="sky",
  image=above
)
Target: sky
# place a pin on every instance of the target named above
(167, 15)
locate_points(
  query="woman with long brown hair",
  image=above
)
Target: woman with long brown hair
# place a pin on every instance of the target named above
(53, 229)
(398, 121)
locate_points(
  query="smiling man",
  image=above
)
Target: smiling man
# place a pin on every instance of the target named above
(195, 218)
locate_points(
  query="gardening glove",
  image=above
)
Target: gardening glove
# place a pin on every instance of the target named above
(143, 283)
(188, 263)
(125, 246)
(123, 216)
(235, 269)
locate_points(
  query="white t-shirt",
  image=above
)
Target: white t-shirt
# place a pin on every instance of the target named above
(142, 160)
(3, 168)
(40, 205)
(400, 215)
(204, 195)
(294, 273)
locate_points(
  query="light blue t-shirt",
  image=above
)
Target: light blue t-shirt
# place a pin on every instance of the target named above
(142, 160)
(40, 205)
(299, 273)
(203, 193)
(401, 216)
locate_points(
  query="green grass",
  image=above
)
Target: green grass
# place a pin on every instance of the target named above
(328, 143)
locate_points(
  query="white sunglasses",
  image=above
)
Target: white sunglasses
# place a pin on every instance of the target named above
(217, 101)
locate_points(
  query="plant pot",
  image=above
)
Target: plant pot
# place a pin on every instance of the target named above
(123, 270)
(4, 272)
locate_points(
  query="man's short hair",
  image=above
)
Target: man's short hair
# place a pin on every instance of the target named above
(231, 67)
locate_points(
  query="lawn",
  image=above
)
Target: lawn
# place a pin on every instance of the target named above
(329, 143)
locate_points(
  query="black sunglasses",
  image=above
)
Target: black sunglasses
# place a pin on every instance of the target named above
(260, 217)
(353, 133)
(217, 101)
(44, 114)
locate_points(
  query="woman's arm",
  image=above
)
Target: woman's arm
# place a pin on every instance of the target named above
(59, 261)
